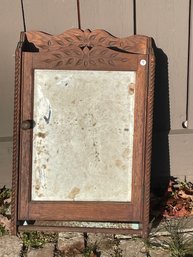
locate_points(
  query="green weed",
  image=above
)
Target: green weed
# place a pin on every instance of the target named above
(3, 231)
(91, 250)
(179, 243)
(5, 195)
(36, 240)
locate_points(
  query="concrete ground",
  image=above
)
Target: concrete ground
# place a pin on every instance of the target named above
(74, 245)
(175, 236)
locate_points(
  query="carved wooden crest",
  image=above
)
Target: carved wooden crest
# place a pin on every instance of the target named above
(90, 39)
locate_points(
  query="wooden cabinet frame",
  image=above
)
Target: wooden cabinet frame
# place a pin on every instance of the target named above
(82, 50)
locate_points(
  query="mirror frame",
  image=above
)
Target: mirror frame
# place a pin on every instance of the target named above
(82, 50)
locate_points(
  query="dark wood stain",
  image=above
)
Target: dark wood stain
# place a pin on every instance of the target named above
(86, 50)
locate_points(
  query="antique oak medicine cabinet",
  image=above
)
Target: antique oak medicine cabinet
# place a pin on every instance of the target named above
(82, 132)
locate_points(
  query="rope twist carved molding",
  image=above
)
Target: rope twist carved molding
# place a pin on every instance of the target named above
(15, 140)
(148, 148)
(79, 38)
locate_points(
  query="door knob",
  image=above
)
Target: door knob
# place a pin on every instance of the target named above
(27, 124)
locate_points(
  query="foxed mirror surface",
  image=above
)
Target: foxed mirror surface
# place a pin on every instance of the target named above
(83, 137)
